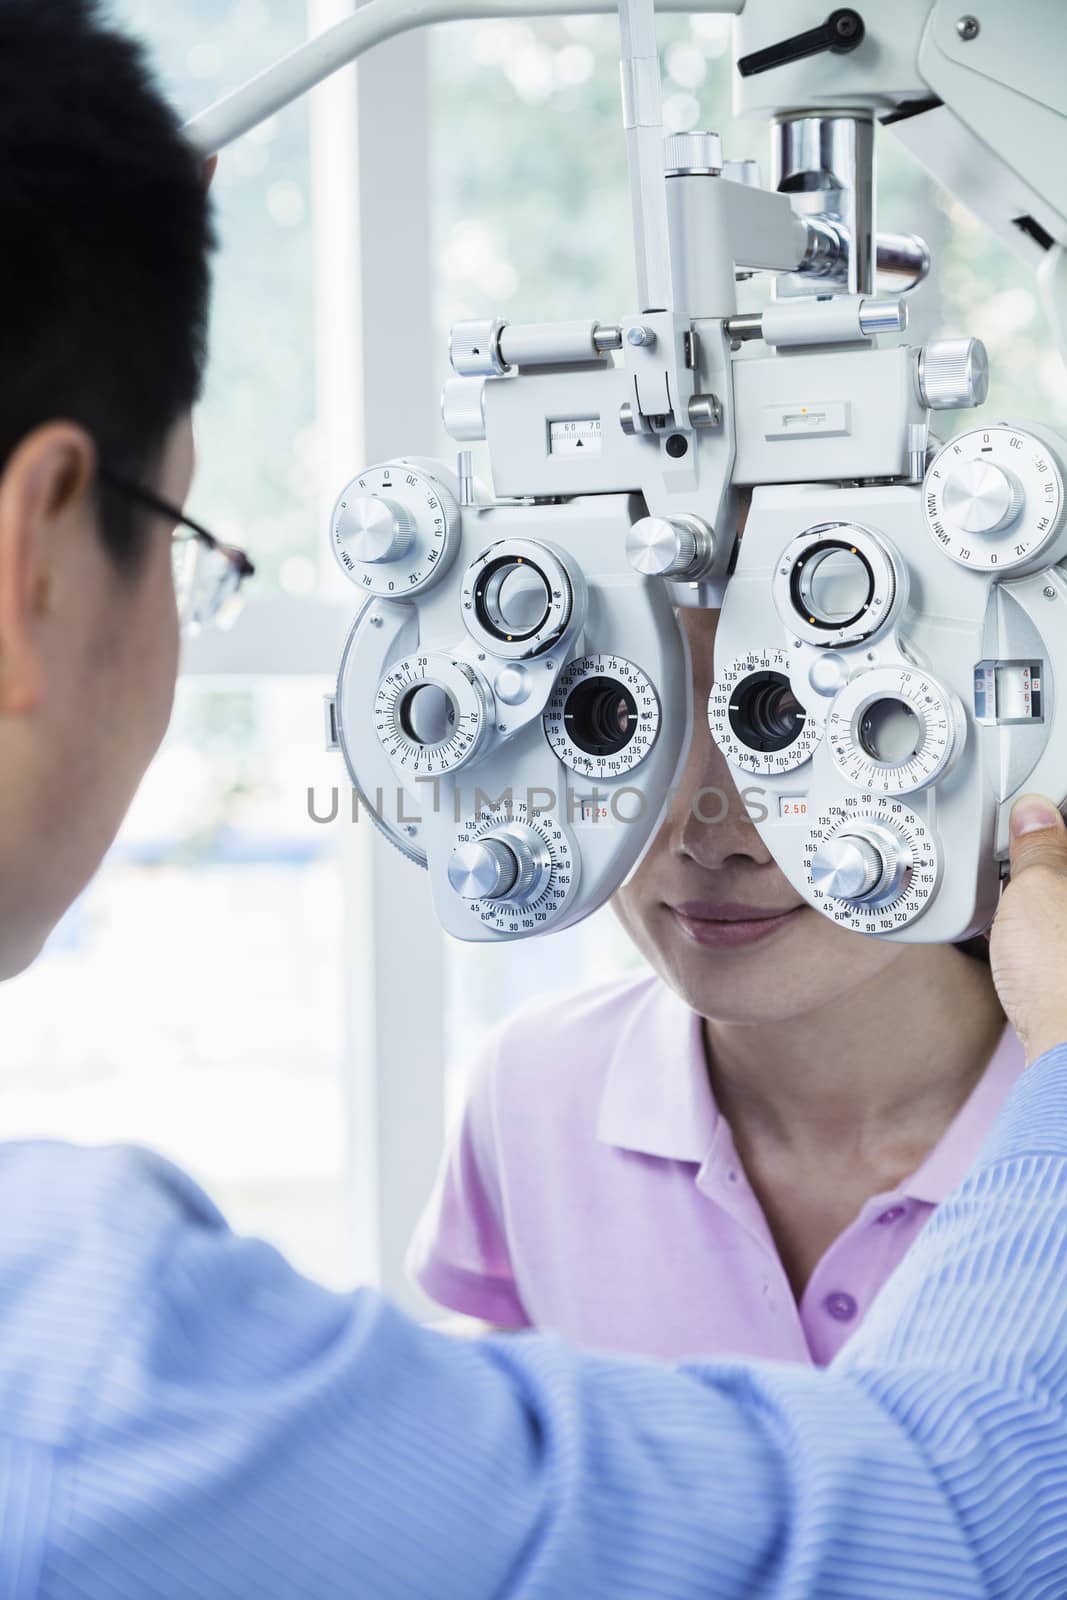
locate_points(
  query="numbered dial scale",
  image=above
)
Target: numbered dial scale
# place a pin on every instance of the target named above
(871, 864)
(432, 714)
(530, 861)
(603, 717)
(755, 718)
(394, 530)
(894, 729)
(993, 499)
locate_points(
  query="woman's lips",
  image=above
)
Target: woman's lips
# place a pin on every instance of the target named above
(727, 925)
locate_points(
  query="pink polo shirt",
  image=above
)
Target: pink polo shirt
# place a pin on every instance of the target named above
(594, 1189)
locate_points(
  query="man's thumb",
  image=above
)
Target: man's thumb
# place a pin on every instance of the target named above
(1038, 835)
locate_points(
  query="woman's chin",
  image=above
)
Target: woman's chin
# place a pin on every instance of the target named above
(752, 975)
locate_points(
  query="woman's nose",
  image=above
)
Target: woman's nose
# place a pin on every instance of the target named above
(710, 818)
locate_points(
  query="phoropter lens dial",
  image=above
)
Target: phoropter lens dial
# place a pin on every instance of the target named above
(394, 530)
(993, 500)
(894, 730)
(603, 716)
(516, 876)
(518, 597)
(755, 718)
(871, 864)
(836, 584)
(432, 714)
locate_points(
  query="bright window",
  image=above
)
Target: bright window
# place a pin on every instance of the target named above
(193, 999)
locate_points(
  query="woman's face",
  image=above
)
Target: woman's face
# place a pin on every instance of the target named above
(710, 910)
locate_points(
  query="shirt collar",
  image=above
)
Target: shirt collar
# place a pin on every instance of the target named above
(656, 1097)
(949, 1161)
(657, 1100)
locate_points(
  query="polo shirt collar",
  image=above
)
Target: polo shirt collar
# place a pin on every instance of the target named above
(656, 1097)
(951, 1158)
(657, 1100)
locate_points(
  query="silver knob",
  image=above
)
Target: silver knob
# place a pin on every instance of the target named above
(373, 529)
(693, 152)
(847, 867)
(953, 372)
(463, 408)
(882, 316)
(498, 867)
(474, 349)
(670, 547)
(982, 498)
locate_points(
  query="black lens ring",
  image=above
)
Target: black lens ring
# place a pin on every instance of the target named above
(484, 579)
(585, 721)
(748, 704)
(802, 562)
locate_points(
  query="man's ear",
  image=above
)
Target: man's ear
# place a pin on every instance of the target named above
(44, 489)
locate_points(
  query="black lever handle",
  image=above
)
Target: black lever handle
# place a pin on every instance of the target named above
(842, 31)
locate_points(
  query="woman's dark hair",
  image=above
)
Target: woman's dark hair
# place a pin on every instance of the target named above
(104, 277)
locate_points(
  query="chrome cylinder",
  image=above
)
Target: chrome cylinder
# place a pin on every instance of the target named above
(826, 162)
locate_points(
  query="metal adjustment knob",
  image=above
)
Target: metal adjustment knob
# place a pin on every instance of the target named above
(500, 867)
(953, 372)
(694, 152)
(670, 547)
(373, 529)
(882, 316)
(847, 867)
(474, 349)
(463, 408)
(982, 498)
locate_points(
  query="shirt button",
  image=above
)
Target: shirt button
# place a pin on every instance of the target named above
(841, 1306)
(892, 1214)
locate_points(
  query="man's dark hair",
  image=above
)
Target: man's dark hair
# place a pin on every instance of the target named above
(104, 278)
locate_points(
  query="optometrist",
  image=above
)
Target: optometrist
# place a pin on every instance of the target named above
(182, 1414)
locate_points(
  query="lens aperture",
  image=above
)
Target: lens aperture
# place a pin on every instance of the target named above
(764, 713)
(427, 714)
(832, 585)
(512, 598)
(890, 732)
(600, 716)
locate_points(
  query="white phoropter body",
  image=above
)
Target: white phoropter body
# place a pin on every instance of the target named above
(514, 700)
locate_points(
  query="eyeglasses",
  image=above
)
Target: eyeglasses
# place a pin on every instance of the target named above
(208, 575)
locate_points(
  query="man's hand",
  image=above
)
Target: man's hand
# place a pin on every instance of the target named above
(1028, 942)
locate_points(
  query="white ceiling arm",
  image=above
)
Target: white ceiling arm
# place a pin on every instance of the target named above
(643, 122)
(295, 74)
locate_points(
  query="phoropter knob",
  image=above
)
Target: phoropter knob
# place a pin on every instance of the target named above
(980, 497)
(671, 547)
(498, 867)
(375, 529)
(463, 409)
(848, 867)
(953, 373)
(692, 152)
(474, 349)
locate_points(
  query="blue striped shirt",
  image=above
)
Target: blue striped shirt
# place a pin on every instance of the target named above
(183, 1416)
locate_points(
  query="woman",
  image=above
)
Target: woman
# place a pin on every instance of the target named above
(730, 1154)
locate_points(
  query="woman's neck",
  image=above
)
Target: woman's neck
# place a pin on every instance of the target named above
(844, 1102)
(887, 1065)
